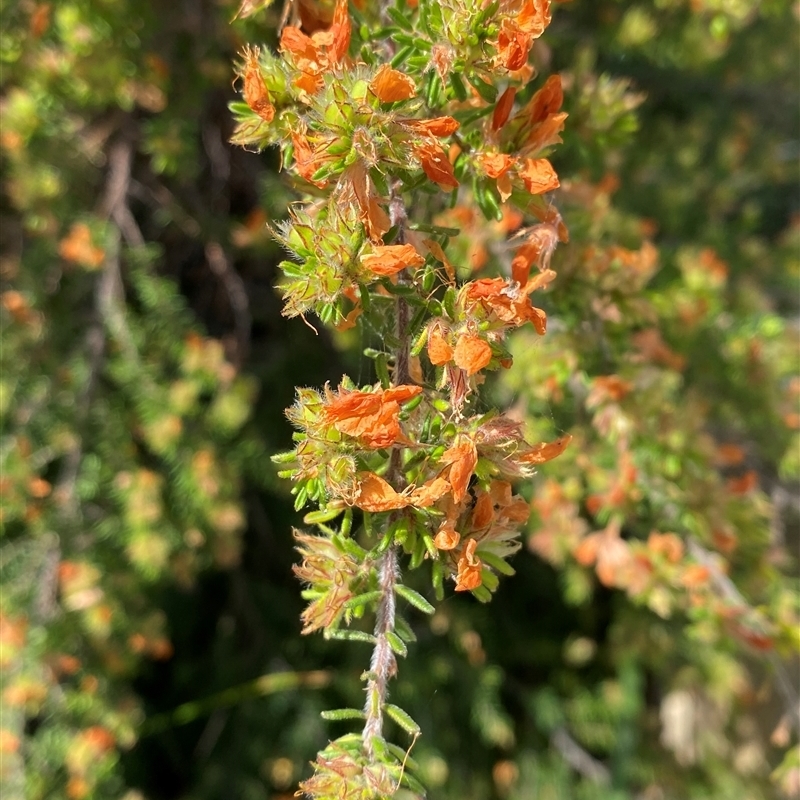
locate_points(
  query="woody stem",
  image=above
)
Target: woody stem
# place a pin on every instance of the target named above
(383, 665)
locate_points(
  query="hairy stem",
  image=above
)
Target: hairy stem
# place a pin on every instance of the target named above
(384, 664)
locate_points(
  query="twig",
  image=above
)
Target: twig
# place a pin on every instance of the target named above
(581, 761)
(237, 297)
(384, 664)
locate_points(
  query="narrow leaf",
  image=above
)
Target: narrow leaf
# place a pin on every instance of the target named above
(402, 719)
(396, 643)
(343, 713)
(350, 636)
(415, 598)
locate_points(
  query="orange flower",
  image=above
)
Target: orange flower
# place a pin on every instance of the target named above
(503, 108)
(390, 259)
(547, 101)
(469, 569)
(391, 86)
(463, 458)
(447, 537)
(534, 17)
(508, 303)
(439, 349)
(371, 417)
(610, 552)
(322, 50)
(255, 90)
(435, 164)
(472, 353)
(544, 452)
(538, 175)
(513, 45)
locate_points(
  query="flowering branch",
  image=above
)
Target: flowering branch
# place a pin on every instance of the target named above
(410, 457)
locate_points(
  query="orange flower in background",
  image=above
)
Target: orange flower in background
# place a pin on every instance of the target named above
(544, 452)
(435, 164)
(609, 552)
(78, 248)
(371, 417)
(390, 259)
(472, 353)
(255, 90)
(469, 568)
(391, 86)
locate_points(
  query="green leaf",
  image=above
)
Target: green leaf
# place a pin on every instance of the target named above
(363, 599)
(351, 636)
(402, 719)
(415, 598)
(396, 643)
(495, 562)
(343, 713)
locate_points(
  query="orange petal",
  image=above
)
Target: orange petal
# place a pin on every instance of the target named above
(463, 458)
(538, 175)
(391, 259)
(255, 90)
(513, 45)
(439, 350)
(546, 451)
(495, 164)
(340, 31)
(447, 537)
(469, 568)
(427, 494)
(503, 108)
(472, 353)
(435, 165)
(438, 126)
(483, 511)
(374, 494)
(391, 86)
(546, 101)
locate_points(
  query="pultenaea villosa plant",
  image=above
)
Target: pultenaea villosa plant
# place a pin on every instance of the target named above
(388, 114)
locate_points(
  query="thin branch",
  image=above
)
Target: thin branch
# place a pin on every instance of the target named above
(581, 761)
(237, 297)
(384, 664)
